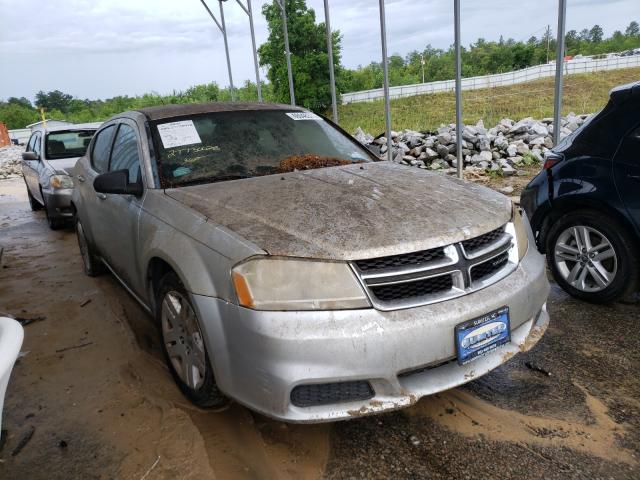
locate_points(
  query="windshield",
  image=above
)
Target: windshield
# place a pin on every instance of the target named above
(241, 144)
(68, 143)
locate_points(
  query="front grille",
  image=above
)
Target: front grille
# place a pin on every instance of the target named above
(328, 393)
(414, 289)
(474, 244)
(430, 276)
(414, 259)
(488, 268)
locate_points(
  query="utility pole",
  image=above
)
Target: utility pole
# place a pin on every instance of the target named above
(557, 107)
(422, 62)
(456, 21)
(282, 5)
(223, 29)
(548, 41)
(385, 74)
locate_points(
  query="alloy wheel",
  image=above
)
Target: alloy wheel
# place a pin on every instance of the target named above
(183, 339)
(585, 258)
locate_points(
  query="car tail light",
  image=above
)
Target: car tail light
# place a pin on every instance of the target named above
(551, 159)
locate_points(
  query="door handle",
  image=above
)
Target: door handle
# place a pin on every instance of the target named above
(101, 196)
(80, 178)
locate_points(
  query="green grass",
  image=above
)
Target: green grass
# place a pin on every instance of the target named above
(583, 93)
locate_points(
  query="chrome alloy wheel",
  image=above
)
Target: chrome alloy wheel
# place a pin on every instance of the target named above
(585, 258)
(183, 339)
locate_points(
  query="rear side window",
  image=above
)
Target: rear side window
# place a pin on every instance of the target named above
(125, 155)
(101, 149)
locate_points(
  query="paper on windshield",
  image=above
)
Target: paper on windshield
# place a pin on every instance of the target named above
(303, 116)
(177, 134)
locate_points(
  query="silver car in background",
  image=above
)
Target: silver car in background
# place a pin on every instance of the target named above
(289, 269)
(48, 156)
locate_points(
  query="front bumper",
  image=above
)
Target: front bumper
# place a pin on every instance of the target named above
(58, 203)
(259, 357)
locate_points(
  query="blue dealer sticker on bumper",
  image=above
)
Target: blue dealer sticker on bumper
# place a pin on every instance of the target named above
(482, 335)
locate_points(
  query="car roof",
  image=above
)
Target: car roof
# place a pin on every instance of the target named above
(624, 92)
(177, 110)
(74, 126)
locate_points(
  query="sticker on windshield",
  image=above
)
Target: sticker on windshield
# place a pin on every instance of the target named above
(302, 116)
(177, 134)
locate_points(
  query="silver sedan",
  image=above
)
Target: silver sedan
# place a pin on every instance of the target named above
(49, 155)
(290, 270)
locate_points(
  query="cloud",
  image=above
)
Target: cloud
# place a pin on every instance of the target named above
(168, 44)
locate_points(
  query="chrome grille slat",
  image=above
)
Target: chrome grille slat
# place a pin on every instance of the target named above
(454, 270)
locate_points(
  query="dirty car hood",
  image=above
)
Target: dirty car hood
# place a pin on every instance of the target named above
(352, 212)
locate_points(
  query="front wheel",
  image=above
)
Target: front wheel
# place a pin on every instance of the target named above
(592, 257)
(183, 344)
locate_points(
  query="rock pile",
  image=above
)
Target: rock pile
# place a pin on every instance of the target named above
(500, 149)
(10, 158)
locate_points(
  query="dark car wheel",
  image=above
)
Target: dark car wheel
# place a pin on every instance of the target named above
(55, 223)
(183, 344)
(91, 265)
(33, 203)
(592, 257)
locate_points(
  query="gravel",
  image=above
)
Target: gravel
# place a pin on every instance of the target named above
(500, 149)
(10, 158)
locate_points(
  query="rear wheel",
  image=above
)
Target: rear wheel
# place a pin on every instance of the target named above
(592, 257)
(91, 265)
(183, 344)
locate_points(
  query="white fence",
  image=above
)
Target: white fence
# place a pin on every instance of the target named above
(578, 65)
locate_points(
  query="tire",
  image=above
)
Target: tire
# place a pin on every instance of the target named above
(33, 203)
(91, 265)
(183, 345)
(592, 257)
(55, 223)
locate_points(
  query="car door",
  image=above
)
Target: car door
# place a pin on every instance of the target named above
(91, 205)
(626, 170)
(35, 167)
(121, 212)
(27, 170)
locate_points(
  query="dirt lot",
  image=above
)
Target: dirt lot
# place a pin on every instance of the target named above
(93, 389)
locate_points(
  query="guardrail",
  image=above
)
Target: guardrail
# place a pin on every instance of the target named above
(579, 65)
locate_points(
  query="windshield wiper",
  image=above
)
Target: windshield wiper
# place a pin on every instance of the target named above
(214, 179)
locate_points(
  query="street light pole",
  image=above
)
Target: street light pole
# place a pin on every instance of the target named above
(222, 28)
(282, 5)
(249, 13)
(332, 79)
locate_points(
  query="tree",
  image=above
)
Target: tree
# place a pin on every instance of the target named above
(309, 59)
(633, 30)
(596, 34)
(16, 115)
(19, 101)
(55, 100)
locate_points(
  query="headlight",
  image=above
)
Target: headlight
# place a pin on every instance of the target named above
(60, 181)
(293, 284)
(520, 232)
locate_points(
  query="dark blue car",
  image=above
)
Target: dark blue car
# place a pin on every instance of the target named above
(584, 207)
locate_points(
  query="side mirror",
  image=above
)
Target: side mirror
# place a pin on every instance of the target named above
(30, 156)
(117, 182)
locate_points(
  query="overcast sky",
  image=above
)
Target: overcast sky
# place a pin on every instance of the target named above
(102, 48)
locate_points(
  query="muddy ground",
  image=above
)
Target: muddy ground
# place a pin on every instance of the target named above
(93, 389)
